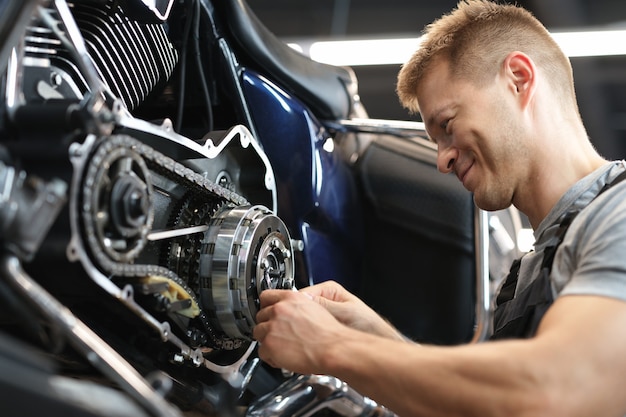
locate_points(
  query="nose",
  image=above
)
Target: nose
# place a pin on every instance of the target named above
(446, 156)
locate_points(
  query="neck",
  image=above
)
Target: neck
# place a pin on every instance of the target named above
(562, 162)
(550, 188)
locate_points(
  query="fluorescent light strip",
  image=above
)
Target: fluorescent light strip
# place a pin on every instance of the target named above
(365, 52)
(398, 51)
(592, 42)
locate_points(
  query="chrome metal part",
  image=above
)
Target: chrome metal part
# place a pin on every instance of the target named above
(306, 395)
(98, 164)
(74, 41)
(92, 182)
(117, 201)
(161, 9)
(119, 166)
(483, 288)
(15, 15)
(248, 250)
(380, 126)
(28, 207)
(184, 231)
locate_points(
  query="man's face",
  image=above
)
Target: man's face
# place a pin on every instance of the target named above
(477, 132)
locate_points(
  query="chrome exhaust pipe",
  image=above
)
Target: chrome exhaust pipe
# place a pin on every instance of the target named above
(305, 395)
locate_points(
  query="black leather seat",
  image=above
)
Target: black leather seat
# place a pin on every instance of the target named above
(324, 88)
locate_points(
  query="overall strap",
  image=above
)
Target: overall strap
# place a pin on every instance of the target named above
(520, 316)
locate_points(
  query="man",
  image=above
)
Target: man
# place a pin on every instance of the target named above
(497, 97)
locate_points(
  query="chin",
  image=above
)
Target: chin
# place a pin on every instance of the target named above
(491, 203)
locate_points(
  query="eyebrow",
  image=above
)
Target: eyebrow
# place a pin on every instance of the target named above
(437, 114)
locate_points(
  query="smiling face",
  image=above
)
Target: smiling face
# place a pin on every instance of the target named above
(479, 134)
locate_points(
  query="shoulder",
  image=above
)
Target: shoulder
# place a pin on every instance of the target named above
(592, 257)
(601, 223)
(608, 209)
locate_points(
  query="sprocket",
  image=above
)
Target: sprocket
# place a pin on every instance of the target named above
(182, 255)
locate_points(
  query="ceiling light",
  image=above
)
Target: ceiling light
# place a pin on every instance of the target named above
(397, 51)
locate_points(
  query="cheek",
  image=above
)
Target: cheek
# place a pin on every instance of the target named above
(499, 147)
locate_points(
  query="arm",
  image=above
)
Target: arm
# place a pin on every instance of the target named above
(575, 366)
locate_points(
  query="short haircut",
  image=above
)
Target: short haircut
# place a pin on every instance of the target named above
(475, 38)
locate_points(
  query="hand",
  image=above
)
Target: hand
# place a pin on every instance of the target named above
(294, 332)
(350, 310)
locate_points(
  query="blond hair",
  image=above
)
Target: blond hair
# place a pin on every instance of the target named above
(475, 38)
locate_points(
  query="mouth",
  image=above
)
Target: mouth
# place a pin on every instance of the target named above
(462, 175)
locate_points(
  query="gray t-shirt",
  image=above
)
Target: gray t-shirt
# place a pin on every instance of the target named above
(592, 258)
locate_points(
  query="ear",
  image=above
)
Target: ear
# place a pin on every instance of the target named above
(520, 74)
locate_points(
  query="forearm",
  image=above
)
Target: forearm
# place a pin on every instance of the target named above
(437, 381)
(384, 328)
(573, 367)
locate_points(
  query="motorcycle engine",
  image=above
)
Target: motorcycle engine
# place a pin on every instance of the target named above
(130, 57)
(181, 232)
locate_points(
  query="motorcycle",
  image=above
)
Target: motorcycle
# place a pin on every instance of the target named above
(163, 163)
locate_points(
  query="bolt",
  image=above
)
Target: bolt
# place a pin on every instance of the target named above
(298, 245)
(55, 79)
(130, 205)
(265, 263)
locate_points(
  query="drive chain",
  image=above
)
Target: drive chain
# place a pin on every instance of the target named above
(178, 173)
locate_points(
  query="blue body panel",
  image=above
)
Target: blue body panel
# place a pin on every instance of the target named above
(317, 197)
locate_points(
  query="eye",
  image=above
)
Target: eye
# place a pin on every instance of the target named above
(445, 125)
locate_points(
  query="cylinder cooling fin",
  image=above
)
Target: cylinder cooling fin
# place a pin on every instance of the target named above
(132, 57)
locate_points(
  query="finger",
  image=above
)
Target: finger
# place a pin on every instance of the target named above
(324, 302)
(259, 332)
(265, 314)
(271, 297)
(327, 289)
